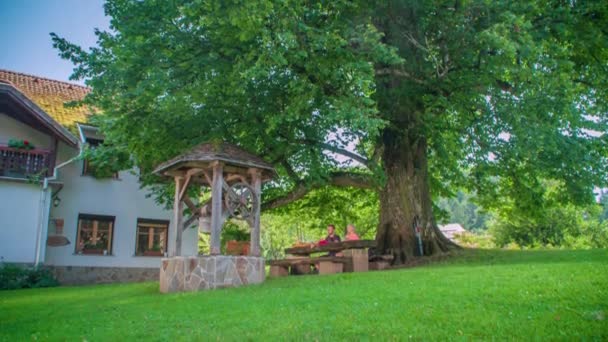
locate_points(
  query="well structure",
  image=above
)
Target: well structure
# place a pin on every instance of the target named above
(234, 177)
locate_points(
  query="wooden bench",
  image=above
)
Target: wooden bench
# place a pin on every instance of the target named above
(327, 265)
(380, 262)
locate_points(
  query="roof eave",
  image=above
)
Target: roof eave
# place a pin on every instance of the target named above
(40, 114)
(172, 165)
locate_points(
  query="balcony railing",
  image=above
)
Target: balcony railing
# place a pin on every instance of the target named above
(20, 163)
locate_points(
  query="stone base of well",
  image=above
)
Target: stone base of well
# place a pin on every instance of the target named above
(197, 273)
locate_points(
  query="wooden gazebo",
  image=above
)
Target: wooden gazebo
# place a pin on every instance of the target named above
(235, 178)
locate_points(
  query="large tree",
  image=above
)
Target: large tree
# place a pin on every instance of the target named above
(409, 98)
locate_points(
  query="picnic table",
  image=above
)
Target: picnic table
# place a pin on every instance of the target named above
(352, 257)
(331, 247)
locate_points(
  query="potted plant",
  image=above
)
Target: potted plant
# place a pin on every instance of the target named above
(94, 248)
(20, 144)
(156, 250)
(237, 240)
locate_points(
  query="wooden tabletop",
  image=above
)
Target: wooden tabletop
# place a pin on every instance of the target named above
(331, 247)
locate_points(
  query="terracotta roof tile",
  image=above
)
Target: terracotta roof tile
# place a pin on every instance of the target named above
(50, 96)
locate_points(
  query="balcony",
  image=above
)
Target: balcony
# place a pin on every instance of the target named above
(20, 163)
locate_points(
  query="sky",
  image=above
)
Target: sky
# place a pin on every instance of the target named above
(25, 26)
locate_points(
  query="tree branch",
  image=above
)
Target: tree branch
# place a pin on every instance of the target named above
(505, 86)
(345, 153)
(290, 171)
(299, 191)
(399, 73)
(355, 180)
(337, 150)
(340, 179)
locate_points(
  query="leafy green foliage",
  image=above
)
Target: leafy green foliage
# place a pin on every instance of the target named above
(496, 295)
(15, 277)
(604, 204)
(280, 232)
(499, 95)
(552, 223)
(105, 161)
(306, 220)
(481, 240)
(461, 209)
(336, 206)
(233, 231)
(200, 72)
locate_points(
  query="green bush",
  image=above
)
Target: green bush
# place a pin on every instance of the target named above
(550, 222)
(590, 235)
(234, 231)
(14, 277)
(563, 226)
(475, 240)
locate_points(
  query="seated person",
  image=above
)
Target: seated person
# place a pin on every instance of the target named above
(331, 234)
(332, 237)
(351, 235)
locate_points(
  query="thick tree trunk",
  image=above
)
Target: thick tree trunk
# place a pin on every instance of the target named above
(405, 201)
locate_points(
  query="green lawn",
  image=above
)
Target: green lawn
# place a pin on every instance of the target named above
(523, 295)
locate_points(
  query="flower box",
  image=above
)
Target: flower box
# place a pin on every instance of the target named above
(153, 253)
(20, 144)
(234, 247)
(94, 251)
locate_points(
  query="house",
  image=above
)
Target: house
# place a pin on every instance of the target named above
(451, 230)
(53, 212)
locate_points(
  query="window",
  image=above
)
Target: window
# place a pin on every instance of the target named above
(91, 136)
(87, 168)
(152, 236)
(94, 234)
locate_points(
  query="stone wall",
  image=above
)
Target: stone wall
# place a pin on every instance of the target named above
(84, 275)
(210, 272)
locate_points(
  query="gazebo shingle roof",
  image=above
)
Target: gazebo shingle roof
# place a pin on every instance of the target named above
(208, 152)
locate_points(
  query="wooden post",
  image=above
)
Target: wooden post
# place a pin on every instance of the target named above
(216, 207)
(177, 216)
(256, 182)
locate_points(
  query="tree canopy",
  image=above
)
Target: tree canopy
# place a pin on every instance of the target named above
(413, 98)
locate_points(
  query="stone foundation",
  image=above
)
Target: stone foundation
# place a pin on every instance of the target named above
(84, 275)
(209, 272)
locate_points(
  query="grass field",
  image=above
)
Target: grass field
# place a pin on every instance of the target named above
(522, 295)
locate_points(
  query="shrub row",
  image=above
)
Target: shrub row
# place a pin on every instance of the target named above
(15, 277)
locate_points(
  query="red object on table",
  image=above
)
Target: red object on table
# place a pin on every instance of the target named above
(322, 242)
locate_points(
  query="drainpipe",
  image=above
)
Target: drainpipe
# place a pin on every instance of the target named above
(45, 186)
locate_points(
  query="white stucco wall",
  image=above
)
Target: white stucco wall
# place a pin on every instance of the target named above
(19, 216)
(20, 210)
(13, 129)
(121, 198)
